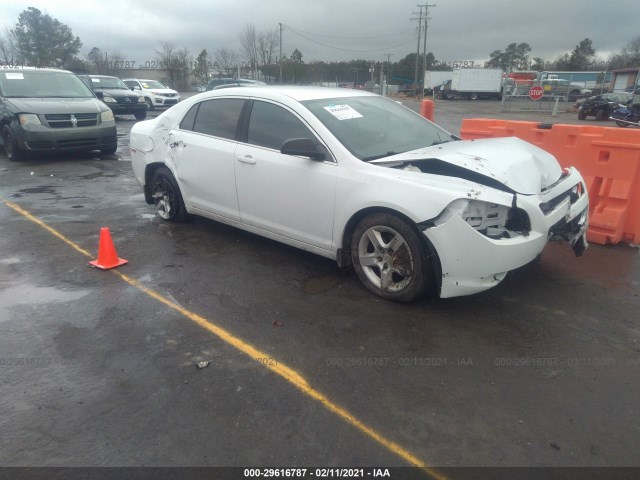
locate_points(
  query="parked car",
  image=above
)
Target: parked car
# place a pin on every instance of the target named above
(43, 110)
(116, 95)
(601, 106)
(217, 83)
(358, 178)
(155, 93)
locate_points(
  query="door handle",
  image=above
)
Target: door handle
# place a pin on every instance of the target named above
(247, 159)
(179, 143)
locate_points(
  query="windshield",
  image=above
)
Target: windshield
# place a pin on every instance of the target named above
(43, 84)
(151, 84)
(108, 82)
(376, 127)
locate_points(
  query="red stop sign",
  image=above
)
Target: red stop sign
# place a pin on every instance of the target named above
(536, 92)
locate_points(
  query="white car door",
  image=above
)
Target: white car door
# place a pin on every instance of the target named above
(284, 194)
(203, 149)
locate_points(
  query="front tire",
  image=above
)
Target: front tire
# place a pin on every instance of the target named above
(11, 147)
(448, 94)
(149, 103)
(109, 150)
(167, 196)
(389, 258)
(582, 115)
(601, 115)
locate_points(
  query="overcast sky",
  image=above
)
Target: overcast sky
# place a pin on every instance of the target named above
(335, 30)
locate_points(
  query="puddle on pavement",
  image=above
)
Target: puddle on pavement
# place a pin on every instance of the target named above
(40, 189)
(321, 284)
(32, 295)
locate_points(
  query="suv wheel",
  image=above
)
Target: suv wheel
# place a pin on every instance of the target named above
(140, 114)
(149, 103)
(11, 147)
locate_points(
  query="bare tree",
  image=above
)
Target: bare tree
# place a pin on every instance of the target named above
(268, 43)
(175, 62)
(226, 61)
(9, 53)
(250, 47)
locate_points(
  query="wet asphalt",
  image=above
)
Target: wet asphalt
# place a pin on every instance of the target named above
(540, 371)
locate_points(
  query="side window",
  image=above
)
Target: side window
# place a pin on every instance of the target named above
(270, 126)
(189, 119)
(218, 117)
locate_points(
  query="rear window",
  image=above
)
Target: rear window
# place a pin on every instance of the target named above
(42, 84)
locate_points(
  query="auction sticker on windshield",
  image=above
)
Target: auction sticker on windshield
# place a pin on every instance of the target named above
(14, 76)
(342, 112)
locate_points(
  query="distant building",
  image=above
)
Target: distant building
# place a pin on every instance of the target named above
(625, 79)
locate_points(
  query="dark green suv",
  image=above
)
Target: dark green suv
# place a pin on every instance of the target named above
(43, 110)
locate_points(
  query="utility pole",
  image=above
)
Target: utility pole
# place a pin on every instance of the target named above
(418, 47)
(424, 50)
(281, 27)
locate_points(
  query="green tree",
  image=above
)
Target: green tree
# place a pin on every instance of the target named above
(293, 68)
(582, 56)
(201, 67)
(514, 57)
(44, 41)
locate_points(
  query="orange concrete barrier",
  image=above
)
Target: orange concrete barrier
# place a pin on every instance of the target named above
(426, 109)
(607, 157)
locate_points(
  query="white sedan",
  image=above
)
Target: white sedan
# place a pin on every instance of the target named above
(360, 179)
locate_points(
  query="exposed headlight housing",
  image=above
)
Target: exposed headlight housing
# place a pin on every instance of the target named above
(29, 119)
(107, 116)
(490, 219)
(140, 99)
(107, 99)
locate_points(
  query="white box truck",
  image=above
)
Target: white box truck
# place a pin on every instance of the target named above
(474, 83)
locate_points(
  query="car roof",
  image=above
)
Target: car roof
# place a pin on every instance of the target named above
(299, 94)
(34, 69)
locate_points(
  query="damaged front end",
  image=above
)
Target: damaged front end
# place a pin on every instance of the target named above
(480, 239)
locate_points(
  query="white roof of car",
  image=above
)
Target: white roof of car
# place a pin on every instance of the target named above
(299, 94)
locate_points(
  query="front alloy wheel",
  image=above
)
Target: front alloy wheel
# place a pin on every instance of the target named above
(389, 258)
(11, 147)
(167, 197)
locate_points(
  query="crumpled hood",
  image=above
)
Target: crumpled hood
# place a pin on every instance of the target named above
(519, 165)
(57, 105)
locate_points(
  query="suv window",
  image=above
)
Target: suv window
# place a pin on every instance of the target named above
(216, 117)
(270, 126)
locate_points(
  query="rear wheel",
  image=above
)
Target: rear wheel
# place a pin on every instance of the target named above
(389, 258)
(601, 115)
(582, 115)
(167, 197)
(140, 114)
(473, 96)
(621, 124)
(11, 147)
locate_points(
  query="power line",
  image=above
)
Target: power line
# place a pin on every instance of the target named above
(347, 49)
(353, 37)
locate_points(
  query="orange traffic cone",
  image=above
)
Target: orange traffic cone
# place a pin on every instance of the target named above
(107, 256)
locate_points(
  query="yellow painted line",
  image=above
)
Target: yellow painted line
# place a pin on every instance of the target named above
(278, 368)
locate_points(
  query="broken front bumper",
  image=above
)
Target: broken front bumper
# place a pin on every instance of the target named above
(471, 262)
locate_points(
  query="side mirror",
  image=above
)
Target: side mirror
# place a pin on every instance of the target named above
(135, 87)
(99, 94)
(302, 147)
